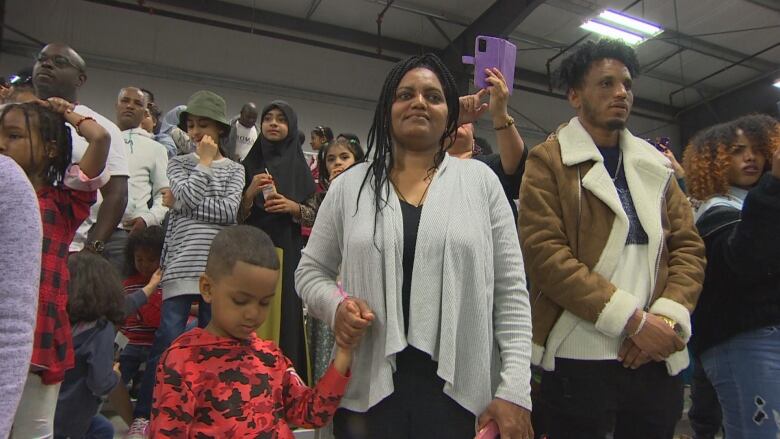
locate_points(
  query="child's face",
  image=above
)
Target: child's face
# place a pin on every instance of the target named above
(747, 163)
(338, 160)
(197, 127)
(16, 142)
(274, 126)
(239, 300)
(147, 261)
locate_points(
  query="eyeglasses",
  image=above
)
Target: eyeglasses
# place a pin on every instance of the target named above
(58, 60)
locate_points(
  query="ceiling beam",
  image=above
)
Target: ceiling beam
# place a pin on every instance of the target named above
(679, 39)
(401, 47)
(262, 17)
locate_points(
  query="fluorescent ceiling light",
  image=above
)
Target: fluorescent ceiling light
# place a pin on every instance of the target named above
(777, 83)
(631, 23)
(612, 32)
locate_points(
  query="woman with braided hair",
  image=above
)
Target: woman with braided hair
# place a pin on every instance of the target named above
(449, 344)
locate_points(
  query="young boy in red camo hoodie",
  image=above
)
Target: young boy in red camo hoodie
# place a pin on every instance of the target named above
(223, 381)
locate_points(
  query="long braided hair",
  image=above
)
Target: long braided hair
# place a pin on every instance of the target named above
(51, 128)
(380, 141)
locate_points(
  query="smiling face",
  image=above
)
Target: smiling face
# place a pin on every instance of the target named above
(747, 164)
(274, 126)
(240, 300)
(604, 98)
(197, 127)
(419, 111)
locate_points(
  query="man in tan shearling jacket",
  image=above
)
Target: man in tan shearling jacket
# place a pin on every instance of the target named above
(614, 259)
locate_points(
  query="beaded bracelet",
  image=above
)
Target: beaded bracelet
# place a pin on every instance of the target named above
(78, 124)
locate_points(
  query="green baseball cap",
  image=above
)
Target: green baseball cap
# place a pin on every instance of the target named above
(208, 104)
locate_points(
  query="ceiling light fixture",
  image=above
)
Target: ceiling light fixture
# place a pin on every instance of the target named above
(631, 23)
(612, 32)
(777, 83)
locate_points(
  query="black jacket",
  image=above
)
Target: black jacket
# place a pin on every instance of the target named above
(742, 283)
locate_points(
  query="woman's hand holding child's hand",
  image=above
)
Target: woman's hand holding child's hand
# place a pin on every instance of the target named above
(353, 317)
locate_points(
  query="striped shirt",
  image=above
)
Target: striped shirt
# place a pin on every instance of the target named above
(207, 200)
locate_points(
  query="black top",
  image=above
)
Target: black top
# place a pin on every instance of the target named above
(742, 283)
(411, 215)
(636, 233)
(510, 183)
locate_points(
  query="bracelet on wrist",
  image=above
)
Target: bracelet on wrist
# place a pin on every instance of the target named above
(78, 124)
(509, 122)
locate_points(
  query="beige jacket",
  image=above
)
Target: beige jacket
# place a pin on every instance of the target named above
(573, 229)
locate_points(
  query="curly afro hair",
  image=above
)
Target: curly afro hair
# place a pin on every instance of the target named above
(707, 157)
(572, 70)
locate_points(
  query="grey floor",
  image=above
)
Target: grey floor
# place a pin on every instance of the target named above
(683, 428)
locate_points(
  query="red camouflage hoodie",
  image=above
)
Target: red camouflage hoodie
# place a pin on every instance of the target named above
(219, 387)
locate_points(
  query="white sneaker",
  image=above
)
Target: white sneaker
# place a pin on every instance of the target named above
(139, 429)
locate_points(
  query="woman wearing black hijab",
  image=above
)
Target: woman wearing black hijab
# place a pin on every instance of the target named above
(276, 159)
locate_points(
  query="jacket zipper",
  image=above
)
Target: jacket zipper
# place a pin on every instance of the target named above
(660, 245)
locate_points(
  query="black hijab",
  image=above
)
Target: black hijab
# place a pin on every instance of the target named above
(284, 159)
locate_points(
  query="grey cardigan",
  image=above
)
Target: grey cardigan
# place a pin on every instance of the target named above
(469, 302)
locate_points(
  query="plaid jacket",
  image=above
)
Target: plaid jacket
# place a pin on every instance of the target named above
(62, 211)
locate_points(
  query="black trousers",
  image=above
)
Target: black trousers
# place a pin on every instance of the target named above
(602, 399)
(417, 408)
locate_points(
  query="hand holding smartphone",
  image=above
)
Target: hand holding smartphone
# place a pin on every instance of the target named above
(490, 53)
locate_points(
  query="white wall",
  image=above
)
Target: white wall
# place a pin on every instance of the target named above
(174, 58)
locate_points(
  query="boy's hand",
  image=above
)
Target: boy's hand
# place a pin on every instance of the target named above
(207, 150)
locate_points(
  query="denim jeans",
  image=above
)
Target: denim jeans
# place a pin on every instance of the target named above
(99, 428)
(745, 372)
(130, 361)
(173, 321)
(705, 414)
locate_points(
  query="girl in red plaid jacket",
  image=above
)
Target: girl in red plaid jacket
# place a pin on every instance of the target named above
(36, 137)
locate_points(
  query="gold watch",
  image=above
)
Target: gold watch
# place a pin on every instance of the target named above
(676, 327)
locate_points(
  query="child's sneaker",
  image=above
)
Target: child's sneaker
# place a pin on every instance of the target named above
(139, 429)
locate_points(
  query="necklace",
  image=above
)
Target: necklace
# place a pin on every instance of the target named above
(422, 199)
(619, 165)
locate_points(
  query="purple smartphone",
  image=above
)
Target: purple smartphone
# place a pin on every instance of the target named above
(490, 52)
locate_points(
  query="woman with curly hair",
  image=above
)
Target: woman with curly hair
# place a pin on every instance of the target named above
(734, 169)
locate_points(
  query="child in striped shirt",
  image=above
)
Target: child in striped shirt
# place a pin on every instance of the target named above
(206, 191)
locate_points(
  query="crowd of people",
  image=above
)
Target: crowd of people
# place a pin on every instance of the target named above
(210, 281)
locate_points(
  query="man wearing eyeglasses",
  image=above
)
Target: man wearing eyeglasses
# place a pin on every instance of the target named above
(60, 71)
